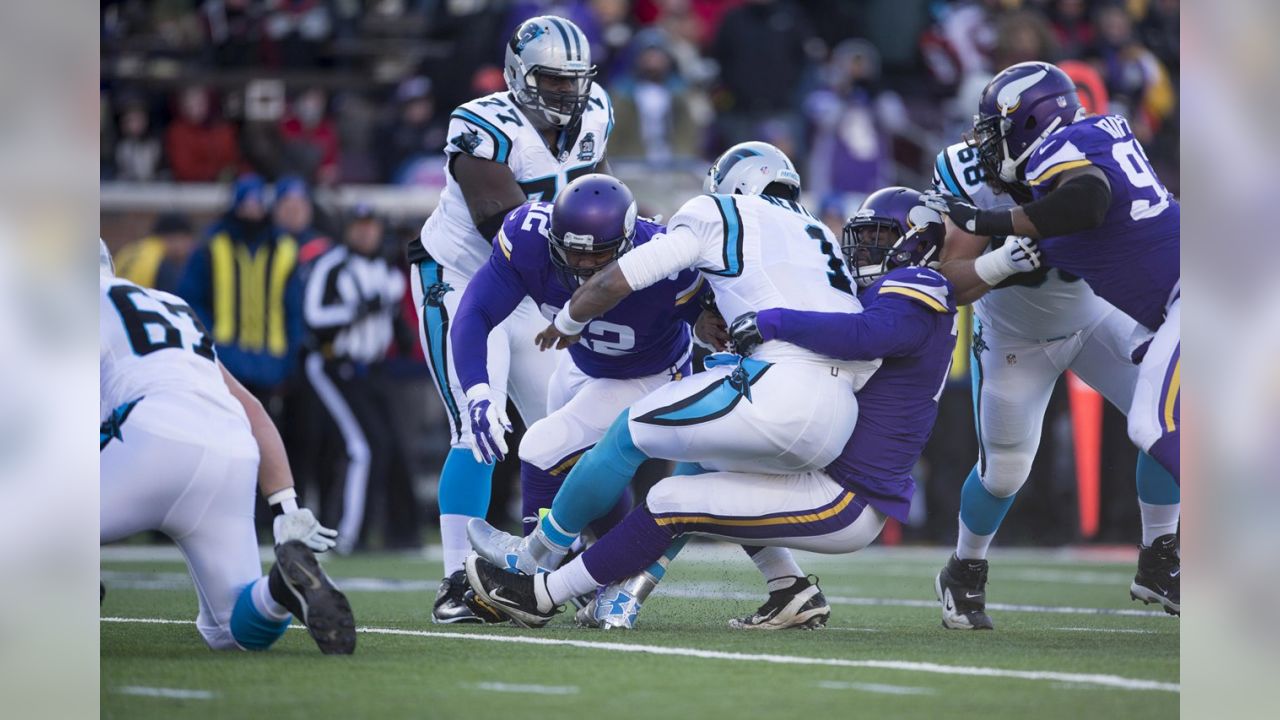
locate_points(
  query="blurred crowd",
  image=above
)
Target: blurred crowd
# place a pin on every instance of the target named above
(280, 97)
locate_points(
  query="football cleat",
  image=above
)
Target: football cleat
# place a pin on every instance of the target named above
(455, 603)
(523, 599)
(616, 606)
(961, 587)
(800, 605)
(1159, 575)
(528, 555)
(313, 599)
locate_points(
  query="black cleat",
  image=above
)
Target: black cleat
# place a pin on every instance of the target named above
(298, 583)
(961, 587)
(455, 604)
(521, 598)
(1159, 577)
(802, 605)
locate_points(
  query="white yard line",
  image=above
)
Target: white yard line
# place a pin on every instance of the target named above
(170, 693)
(690, 590)
(881, 688)
(1107, 630)
(1101, 680)
(526, 689)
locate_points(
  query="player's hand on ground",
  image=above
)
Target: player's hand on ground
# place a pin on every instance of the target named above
(1021, 254)
(745, 334)
(489, 428)
(710, 331)
(553, 338)
(963, 214)
(303, 526)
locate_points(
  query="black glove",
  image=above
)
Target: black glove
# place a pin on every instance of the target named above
(745, 334)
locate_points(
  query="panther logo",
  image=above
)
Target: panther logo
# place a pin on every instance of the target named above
(467, 141)
(527, 36)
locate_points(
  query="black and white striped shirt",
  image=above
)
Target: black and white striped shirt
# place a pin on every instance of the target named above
(350, 304)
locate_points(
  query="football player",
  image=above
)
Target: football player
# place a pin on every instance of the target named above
(908, 320)
(758, 248)
(550, 127)
(1083, 187)
(544, 252)
(182, 446)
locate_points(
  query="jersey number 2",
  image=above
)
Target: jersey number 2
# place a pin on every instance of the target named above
(137, 320)
(836, 276)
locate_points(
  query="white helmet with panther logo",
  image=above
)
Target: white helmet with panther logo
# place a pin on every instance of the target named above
(748, 168)
(553, 47)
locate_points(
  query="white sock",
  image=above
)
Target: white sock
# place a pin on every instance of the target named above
(972, 546)
(570, 581)
(264, 603)
(1158, 520)
(453, 537)
(777, 566)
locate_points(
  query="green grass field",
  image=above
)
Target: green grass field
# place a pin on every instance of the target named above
(1070, 645)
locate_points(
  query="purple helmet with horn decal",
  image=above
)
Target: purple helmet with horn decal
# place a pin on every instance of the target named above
(1017, 111)
(593, 222)
(891, 229)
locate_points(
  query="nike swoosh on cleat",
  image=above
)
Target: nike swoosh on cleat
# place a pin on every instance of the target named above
(969, 596)
(493, 595)
(1175, 573)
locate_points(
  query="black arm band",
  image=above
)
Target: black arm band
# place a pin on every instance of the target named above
(994, 223)
(490, 226)
(1078, 204)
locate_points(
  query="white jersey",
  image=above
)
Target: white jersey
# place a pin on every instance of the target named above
(757, 253)
(151, 342)
(495, 128)
(1038, 306)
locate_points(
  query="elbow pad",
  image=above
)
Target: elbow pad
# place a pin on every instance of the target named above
(1078, 204)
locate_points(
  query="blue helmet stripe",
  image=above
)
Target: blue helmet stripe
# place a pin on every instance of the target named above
(564, 34)
(500, 139)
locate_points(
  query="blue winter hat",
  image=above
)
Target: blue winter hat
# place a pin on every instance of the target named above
(291, 185)
(248, 187)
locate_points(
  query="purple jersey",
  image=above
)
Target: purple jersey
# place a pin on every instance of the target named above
(909, 321)
(645, 334)
(1131, 260)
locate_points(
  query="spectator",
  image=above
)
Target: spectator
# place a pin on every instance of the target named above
(1072, 26)
(763, 48)
(201, 147)
(1023, 36)
(853, 119)
(1139, 85)
(414, 134)
(138, 151)
(658, 116)
(293, 214)
(296, 31)
(352, 300)
(156, 261)
(310, 137)
(235, 30)
(242, 282)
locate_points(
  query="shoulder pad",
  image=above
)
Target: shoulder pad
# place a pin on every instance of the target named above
(525, 226)
(1069, 147)
(952, 173)
(923, 285)
(484, 127)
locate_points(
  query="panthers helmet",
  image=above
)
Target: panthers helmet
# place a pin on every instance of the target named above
(594, 215)
(555, 47)
(106, 266)
(891, 229)
(1017, 111)
(748, 168)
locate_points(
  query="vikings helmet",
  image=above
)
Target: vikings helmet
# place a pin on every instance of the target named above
(1017, 111)
(550, 46)
(891, 229)
(748, 168)
(594, 215)
(106, 266)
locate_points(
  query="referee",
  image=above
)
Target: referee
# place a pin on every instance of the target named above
(352, 298)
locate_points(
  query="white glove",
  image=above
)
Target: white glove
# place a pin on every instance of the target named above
(1017, 255)
(489, 425)
(301, 525)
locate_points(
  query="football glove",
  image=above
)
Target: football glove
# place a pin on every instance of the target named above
(967, 216)
(745, 334)
(301, 525)
(489, 426)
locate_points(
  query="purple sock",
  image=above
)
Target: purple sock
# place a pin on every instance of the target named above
(635, 544)
(538, 488)
(602, 525)
(1168, 452)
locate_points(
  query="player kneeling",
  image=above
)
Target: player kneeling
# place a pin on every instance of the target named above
(182, 445)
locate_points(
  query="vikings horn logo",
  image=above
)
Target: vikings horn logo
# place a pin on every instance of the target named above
(587, 148)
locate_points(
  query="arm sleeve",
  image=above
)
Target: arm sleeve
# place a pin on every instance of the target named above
(1079, 203)
(889, 328)
(663, 256)
(327, 301)
(491, 296)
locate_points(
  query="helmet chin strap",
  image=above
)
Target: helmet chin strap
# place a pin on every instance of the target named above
(1009, 167)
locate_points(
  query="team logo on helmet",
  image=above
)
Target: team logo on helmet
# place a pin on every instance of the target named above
(1010, 96)
(587, 148)
(526, 36)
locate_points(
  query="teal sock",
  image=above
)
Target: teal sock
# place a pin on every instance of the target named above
(465, 485)
(594, 485)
